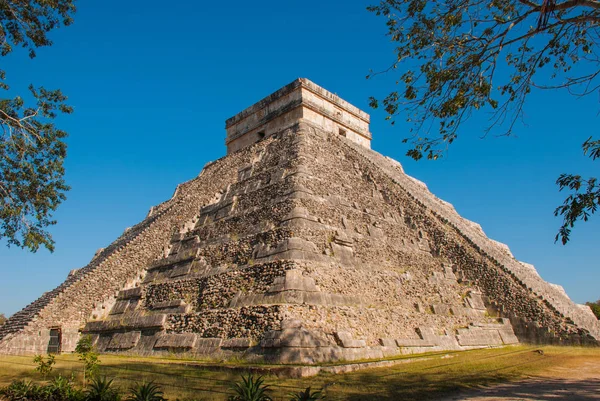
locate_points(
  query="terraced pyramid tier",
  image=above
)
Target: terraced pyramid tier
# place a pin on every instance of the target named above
(302, 246)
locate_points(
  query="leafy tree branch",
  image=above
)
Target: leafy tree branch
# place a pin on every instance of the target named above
(584, 199)
(451, 53)
(32, 148)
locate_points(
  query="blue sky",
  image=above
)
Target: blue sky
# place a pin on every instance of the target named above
(152, 84)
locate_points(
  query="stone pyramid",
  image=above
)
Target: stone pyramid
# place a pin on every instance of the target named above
(301, 245)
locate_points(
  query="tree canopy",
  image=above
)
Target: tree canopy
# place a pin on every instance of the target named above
(595, 307)
(32, 148)
(3, 319)
(585, 197)
(456, 57)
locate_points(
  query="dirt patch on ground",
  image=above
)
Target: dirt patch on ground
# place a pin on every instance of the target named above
(567, 378)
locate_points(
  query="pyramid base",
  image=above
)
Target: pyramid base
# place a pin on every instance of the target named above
(293, 344)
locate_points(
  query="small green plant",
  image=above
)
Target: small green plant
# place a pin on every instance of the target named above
(44, 366)
(307, 395)
(145, 392)
(88, 355)
(101, 389)
(250, 389)
(59, 389)
(20, 390)
(62, 389)
(330, 238)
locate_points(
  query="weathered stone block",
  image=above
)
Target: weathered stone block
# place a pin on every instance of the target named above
(476, 301)
(175, 306)
(270, 343)
(347, 341)
(426, 333)
(479, 338)
(344, 253)
(123, 341)
(119, 307)
(102, 325)
(301, 244)
(293, 280)
(508, 336)
(173, 259)
(291, 324)
(146, 322)
(130, 293)
(449, 273)
(209, 342)
(302, 338)
(181, 270)
(409, 342)
(183, 340)
(387, 342)
(462, 311)
(236, 343)
(441, 309)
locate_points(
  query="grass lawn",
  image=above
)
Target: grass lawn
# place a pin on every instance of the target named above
(425, 377)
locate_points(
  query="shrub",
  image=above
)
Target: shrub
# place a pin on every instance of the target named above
(44, 366)
(88, 355)
(61, 389)
(307, 395)
(250, 389)
(146, 392)
(101, 389)
(595, 307)
(20, 390)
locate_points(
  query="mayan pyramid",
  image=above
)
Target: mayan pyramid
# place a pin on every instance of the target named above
(301, 245)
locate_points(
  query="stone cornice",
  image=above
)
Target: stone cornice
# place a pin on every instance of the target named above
(303, 83)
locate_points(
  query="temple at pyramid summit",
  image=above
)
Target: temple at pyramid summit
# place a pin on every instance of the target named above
(302, 245)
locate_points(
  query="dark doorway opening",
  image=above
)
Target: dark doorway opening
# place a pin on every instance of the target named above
(55, 341)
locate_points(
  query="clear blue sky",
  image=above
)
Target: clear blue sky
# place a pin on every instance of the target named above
(153, 82)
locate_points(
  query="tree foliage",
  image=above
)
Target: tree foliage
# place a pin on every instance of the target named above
(32, 149)
(458, 56)
(595, 307)
(44, 366)
(3, 319)
(585, 197)
(86, 352)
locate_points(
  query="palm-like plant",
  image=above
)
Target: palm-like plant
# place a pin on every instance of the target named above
(307, 395)
(101, 389)
(146, 392)
(250, 389)
(20, 391)
(62, 388)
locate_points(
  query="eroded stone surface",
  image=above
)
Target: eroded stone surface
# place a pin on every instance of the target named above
(303, 247)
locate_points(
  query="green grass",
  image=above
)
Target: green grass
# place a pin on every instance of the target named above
(424, 377)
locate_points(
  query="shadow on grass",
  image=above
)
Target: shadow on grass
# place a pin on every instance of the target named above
(539, 390)
(411, 386)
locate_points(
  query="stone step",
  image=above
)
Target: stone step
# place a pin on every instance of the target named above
(22, 318)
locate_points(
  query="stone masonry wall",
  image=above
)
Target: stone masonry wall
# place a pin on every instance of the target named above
(518, 291)
(95, 286)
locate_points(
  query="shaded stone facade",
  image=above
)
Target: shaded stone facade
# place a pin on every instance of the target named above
(301, 246)
(301, 99)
